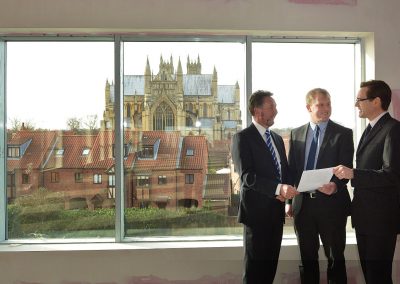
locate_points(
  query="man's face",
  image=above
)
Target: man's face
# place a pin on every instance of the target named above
(265, 114)
(366, 108)
(320, 109)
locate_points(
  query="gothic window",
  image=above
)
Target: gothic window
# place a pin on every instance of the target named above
(205, 110)
(137, 120)
(128, 110)
(163, 118)
(189, 121)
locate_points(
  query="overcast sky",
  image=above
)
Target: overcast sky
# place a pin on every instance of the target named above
(49, 82)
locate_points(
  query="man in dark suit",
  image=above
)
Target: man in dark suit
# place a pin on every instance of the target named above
(375, 210)
(322, 212)
(260, 159)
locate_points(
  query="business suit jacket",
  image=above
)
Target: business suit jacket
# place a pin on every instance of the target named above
(259, 179)
(336, 148)
(375, 206)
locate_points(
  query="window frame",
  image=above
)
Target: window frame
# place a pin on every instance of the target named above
(189, 178)
(97, 178)
(25, 178)
(118, 71)
(162, 179)
(13, 152)
(78, 177)
(54, 177)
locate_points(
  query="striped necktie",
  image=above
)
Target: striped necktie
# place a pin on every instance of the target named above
(313, 150)
(272, 150)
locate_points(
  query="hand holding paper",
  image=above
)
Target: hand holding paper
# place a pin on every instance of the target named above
(313, 179)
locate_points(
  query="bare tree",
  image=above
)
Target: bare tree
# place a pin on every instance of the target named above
(90, 122)
(17, 124)
(74, 123)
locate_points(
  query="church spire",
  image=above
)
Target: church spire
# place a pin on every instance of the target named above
(147, 70)
(179, 70)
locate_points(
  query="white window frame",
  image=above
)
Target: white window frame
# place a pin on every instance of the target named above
(118, 69)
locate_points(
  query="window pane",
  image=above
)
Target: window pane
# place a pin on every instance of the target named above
(55, 105)
(177, 97)
(290, 70)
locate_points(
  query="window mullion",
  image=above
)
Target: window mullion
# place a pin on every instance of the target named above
(3, 143)
(119, 140)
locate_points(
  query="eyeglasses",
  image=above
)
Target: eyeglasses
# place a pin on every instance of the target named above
(360, 100)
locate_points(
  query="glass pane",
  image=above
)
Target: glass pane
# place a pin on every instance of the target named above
(57, 163)
(290, 70)
(181, 107)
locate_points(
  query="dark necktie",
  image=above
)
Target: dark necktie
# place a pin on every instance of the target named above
(313, 150)
(271, 149)
(366, 132)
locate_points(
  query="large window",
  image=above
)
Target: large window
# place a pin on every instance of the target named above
(176, 94)
(55, 104)
(158, 124)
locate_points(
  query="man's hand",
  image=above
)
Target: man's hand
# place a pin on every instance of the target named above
(288, 191)
(289, 210)
(342, 172)
(280, 198)
(329, 188)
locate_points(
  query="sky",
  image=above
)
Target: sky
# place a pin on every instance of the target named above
(50, 82)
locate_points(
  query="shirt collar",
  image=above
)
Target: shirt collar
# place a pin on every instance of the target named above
(261, 129)
(375, 120)
(322, 125)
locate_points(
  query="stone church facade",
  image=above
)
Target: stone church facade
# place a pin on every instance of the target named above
(192, 103)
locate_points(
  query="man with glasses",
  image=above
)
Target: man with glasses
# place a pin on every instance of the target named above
(375, 206)
(322, 212)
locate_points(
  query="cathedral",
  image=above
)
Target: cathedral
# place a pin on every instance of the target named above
(192, 103)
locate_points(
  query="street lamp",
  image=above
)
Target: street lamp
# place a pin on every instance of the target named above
(198, 125)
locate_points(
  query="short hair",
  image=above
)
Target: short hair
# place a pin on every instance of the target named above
(310, 97)
(257, 99)
(378, 89)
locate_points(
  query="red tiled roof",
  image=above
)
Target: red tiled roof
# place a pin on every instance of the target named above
(101, 155)
(200, 152)
(217, 186)
(73, 146)
(166, 154)
(36, 153)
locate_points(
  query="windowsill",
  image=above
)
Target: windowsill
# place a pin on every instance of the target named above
(110, 245)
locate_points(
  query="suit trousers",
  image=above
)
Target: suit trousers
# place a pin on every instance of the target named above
(262, 246)
(376, 256)
(316, 220)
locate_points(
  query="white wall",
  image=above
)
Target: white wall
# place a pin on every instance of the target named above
(377, 21)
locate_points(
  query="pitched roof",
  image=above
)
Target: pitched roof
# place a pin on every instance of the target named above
(165, 155)
(199, 158)
(193, 85)
(101, 155)
(217, 186)
(226, 94)
(72, 156)
(37, 151)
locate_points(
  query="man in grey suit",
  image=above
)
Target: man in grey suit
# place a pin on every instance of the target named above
(321, 213)
(375, 211)
(260, 159)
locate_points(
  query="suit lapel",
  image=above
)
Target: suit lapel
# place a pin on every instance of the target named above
(327, 137)
(303, 138)
(279, 147)
(377, 127)
(257, 137)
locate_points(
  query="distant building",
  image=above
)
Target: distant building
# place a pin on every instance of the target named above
(191, 103)
(162, 168)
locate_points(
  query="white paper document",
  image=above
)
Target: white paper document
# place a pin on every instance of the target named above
(313, 179)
